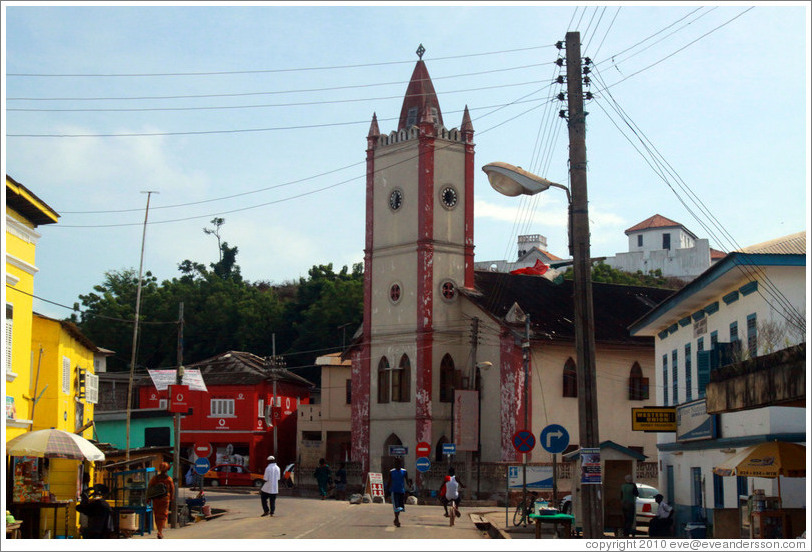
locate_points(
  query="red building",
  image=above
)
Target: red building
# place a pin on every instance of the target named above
(249, 410)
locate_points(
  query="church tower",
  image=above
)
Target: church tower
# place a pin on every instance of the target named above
(418, 253)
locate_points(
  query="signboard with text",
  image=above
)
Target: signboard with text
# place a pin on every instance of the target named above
(374, 486)
(162, 379)
(591, 466)
(179, 399)
(538, 477)
(654, 418)
(694, 423)
(466, 419)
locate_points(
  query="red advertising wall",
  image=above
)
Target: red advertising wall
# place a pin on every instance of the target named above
(246, 430)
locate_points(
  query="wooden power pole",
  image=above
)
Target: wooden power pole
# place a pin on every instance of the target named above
(591, 507)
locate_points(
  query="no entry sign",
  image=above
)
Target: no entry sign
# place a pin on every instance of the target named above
(422, 449)
(202, 450)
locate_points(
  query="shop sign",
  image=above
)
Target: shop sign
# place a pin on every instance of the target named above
(694, 423)
(537, 477)
(374, 486)
(179, 399)
(654, 418)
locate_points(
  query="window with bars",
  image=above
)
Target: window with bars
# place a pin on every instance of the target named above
(221, 407)
(91, 389)
(638, 385)
(570, 379)
(383, 381)
(65, 375)
(9, 340)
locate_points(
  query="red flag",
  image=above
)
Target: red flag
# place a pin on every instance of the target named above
(536, 270)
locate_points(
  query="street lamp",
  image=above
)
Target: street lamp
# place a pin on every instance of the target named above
(513, 181)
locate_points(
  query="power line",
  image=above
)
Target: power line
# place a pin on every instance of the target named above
(272, 92)
(254, 106)
(255, 71)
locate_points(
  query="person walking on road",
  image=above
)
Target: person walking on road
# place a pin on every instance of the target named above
(628, 504)
(269, 489)
(397, 481)
(322, 475)
(161, 502)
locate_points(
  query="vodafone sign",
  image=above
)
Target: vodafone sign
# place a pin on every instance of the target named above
(202, 450)
(179, 398)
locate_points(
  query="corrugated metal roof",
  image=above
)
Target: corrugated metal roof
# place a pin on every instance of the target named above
(551, 308)
(793, 244)
(241, 368)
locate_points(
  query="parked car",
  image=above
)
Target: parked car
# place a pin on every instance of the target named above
(646, 505)
(232, 475)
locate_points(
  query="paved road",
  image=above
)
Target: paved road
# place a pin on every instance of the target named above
(311, 518)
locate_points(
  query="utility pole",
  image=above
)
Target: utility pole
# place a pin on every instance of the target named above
(178, 381)
(591, 506)
(475, 384)
(526, 365)
(135, 327)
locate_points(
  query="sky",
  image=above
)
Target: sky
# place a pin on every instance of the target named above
(259, 113)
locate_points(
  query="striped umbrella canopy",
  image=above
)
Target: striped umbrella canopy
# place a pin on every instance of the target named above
(53, 443)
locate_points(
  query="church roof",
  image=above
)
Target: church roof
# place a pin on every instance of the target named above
(551, 308)
(420, 94)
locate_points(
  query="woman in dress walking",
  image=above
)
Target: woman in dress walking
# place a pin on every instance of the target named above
(161, 504)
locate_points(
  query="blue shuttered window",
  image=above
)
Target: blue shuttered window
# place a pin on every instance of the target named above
(674, 377)
(703, 366)
(688, 373)
(665, 380)
(752, 335)
(714, 339)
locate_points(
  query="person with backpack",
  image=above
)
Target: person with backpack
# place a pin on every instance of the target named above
(161, 491)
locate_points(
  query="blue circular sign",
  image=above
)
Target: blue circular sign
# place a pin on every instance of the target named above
(202, 466)
(423, 464)
(523, 441)
(554, 438)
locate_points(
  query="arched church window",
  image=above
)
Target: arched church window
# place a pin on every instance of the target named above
(449, 379)
(401, 380)
(638, 385)
(383, 380)
(570, 379)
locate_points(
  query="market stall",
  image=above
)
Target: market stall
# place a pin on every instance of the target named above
(35, 457)
(762, 516)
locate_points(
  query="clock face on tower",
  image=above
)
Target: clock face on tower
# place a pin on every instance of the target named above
(448, 195)
(395, 200)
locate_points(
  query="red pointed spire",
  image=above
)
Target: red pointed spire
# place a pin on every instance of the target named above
(420, 99)
(466, 127)
(374, 131)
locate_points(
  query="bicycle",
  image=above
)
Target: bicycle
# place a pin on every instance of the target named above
(524, 509)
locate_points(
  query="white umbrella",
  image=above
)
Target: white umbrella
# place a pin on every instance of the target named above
(53, 443)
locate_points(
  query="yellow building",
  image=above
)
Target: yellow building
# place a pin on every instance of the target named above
(24, 213)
